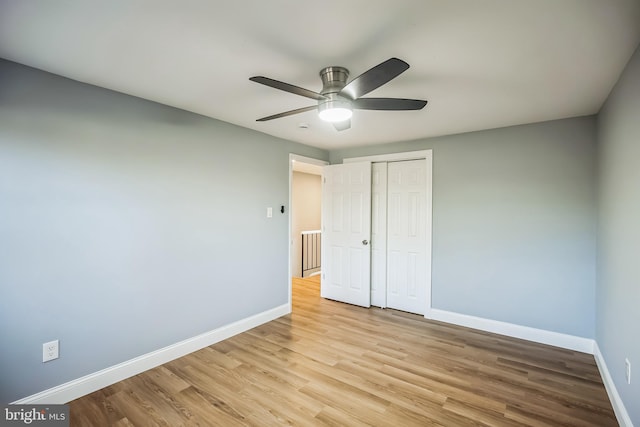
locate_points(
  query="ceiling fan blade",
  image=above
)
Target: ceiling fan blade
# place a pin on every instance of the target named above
(342, 125)
(287, 87)
(374, 78)
(397, 104)
(288, 113)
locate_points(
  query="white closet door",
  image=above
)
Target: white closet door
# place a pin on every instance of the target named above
(346, 228)
(379, 234)
(406, 236)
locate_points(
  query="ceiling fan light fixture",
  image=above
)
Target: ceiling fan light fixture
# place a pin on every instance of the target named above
(335, 111)
(338, 98)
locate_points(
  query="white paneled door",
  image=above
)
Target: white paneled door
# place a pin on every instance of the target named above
(346, 228)
(407, 236)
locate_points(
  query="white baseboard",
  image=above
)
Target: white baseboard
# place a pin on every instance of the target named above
(88, 384)
(570, 342)
(618, 407)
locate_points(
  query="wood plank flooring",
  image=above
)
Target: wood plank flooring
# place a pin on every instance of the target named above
(335, 364)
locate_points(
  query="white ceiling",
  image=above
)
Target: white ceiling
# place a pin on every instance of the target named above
(480, 63)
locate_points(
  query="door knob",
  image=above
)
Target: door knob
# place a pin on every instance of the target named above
(365, 242)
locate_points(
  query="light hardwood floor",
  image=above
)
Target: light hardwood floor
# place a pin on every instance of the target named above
(335, 364)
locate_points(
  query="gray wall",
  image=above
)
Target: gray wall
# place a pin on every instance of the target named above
(513, 223)
(618, 294)
(125, 226)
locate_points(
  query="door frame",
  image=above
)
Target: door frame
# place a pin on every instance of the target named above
(414, 155)
(302, 159)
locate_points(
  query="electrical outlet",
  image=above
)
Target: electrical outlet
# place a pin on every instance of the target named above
(627, 370)
(50, 350)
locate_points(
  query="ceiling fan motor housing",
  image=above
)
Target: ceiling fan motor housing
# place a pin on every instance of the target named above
(333, 80)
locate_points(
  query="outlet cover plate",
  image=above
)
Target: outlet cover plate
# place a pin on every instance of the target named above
(50, 350)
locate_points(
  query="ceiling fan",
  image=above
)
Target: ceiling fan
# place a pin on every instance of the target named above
(338, 99)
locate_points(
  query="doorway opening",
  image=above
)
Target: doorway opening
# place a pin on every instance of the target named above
(305, 219)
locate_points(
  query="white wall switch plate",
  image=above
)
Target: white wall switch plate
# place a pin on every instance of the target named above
(627, 370)
(269, 212)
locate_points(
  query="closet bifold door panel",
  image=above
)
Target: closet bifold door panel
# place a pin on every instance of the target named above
(379, 234)
(346, 232)
(406, 236)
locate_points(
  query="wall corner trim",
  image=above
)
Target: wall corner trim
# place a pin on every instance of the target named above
(570, 342)
(95, 381)
(618, 406)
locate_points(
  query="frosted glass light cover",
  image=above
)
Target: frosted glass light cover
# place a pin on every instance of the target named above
(338, 114)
